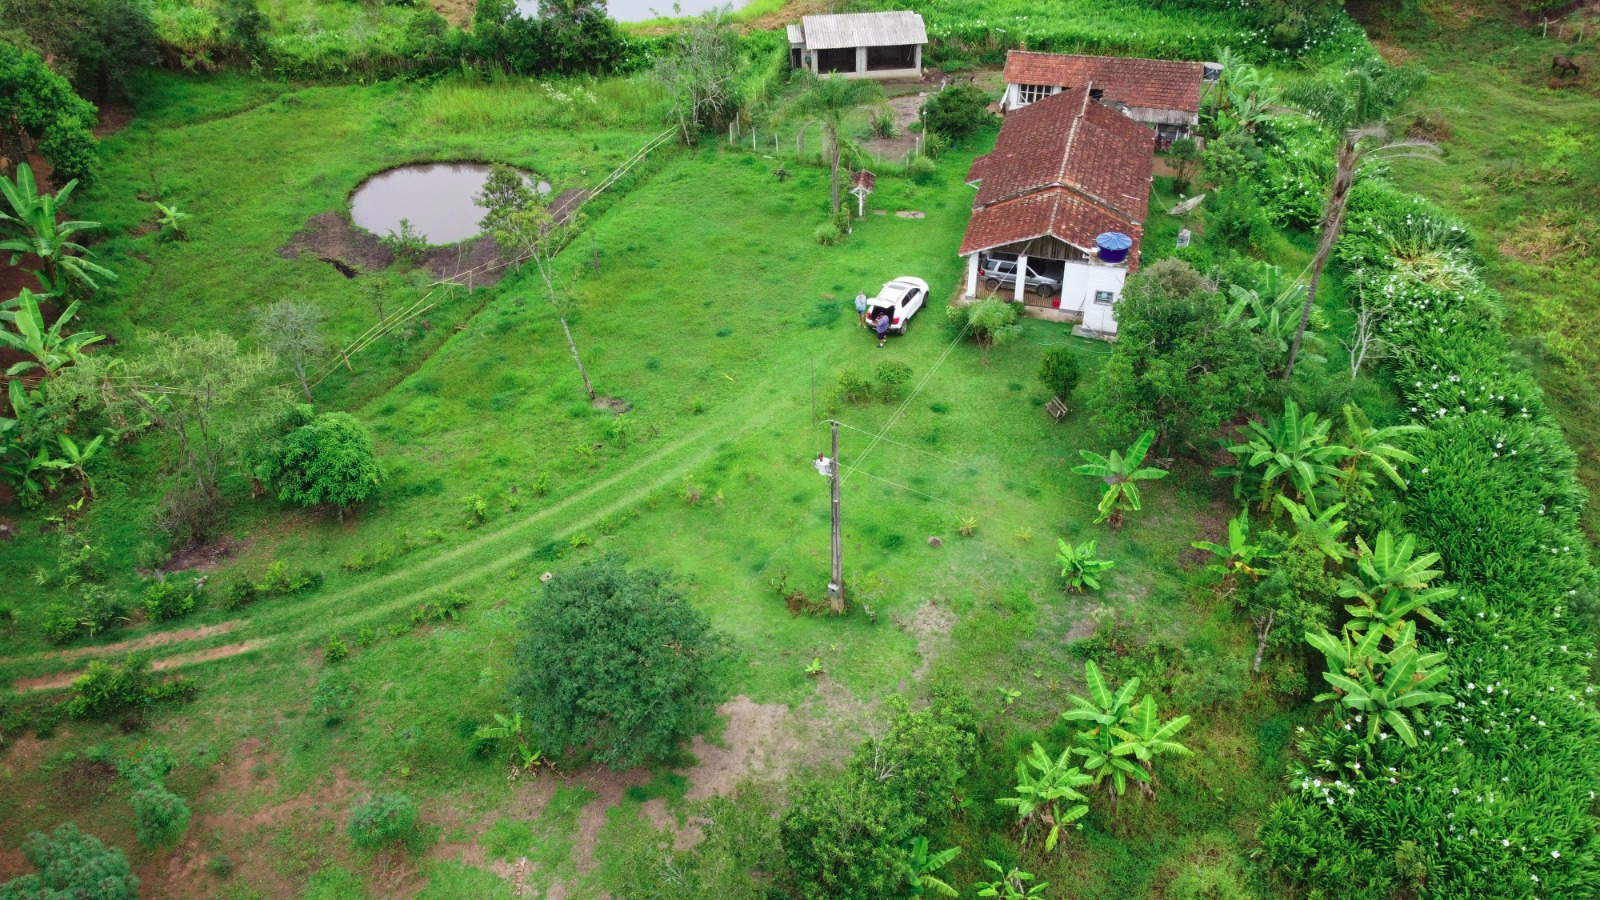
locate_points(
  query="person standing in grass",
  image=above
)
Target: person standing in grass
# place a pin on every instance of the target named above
(883, 328)
(861, 308)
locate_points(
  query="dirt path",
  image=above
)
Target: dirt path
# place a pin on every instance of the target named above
(65, 679)
(130, 646)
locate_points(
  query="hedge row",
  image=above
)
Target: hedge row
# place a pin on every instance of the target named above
(1499, 798)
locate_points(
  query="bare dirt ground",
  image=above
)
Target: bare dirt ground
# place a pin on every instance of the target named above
(203, 556)
(930, 624)
(146, 642)
(65, 679)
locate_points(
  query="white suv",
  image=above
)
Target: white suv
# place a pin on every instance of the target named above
(900, 298)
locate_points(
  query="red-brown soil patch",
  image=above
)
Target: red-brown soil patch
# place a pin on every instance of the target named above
(205, 556)
(64, 679)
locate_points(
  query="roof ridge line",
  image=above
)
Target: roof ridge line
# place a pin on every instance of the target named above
(1072, 134)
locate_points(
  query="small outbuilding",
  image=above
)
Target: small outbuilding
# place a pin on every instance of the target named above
(881, 45)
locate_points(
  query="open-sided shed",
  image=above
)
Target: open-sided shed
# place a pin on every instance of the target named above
(884, 45)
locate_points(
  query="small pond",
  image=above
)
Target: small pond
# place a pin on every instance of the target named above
(641, 10)
(437, 198)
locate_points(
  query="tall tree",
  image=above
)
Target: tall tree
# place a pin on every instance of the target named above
(701, 74)
(832, 100)
(527, 232)
(292, 330)
(31, 223)
(1354, 101)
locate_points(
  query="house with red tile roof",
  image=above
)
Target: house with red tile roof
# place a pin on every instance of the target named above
(1163, 94)
(1061, 199)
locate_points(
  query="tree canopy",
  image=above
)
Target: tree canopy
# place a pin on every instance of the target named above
(328, 461)
(615, 663)
(72, 864)
(38, 110)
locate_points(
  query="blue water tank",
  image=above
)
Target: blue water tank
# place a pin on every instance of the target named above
(1113, 246)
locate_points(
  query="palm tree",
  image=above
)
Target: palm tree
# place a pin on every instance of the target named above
(1147, 737)
(831, 100)
(1040, 796)
(50, 351)
(1372, 446)
(1295, 446)
(1353, 102)
(77, 457)
(1392, 582)
(1397, 681)
(31, 226)
(1239, 555)
(922, 865)
(1104, 711)
(1121, 473)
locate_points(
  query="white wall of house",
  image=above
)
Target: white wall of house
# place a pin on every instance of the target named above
(1012, 98)
(1081, 283)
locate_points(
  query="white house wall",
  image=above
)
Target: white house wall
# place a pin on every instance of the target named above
(1078, 285)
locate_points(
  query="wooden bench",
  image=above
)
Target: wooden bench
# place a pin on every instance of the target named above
(1056, 409)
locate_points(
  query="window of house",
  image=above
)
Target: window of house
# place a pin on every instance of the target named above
(1096, 94)
(1105, 298)
(1030, 93)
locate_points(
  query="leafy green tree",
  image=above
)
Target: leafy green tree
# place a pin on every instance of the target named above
(1293, 449)
(48, 347)
(1059, 372)
(832, 100)
(98, 45)
(1121, 474)
(1178, 366)
(991, 322)
(72, 864)
(1184, 157)
(615, 662)
(291, 329)
(957, 112)
(701, 74)
(39, 110)
(1079, 565)
(1394, 683)
(1354, 101)
(247, 27)
(1291, 598)
(846, 839)
(328, 461)
(1391, 582)
(922, 865)
(1047, 794)
(33, 225)
(1372, 453)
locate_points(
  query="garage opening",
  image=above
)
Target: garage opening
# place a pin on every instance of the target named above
(840, 60)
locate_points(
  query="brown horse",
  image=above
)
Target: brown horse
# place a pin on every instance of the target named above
(1564, 65)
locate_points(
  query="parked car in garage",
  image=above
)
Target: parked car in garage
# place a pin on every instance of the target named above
(1000, 271)
(900, 298)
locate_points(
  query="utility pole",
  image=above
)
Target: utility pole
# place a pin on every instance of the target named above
(836, 585)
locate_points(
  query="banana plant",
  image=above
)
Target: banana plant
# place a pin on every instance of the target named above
(33, 474)
(1272, 309)
(1353, 655)
(922, 865)
(1239, 556)
(1373, 448)
(33, 226)
(1012, 885)
(1146, 737)
(1121, 474)
(1391, 582)
(1401, 680)
(1043, 796)
(77, 457)
(1103, 711)
(49, 349)
(1079, 566)
(1292, 448)
(1325, 528)
(523, 757)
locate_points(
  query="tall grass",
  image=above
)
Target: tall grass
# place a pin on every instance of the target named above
(469, 101)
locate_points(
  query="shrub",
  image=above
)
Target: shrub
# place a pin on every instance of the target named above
(240, 592)
(72, 864)
(990, 322)
(828, 234)
(105, 689)
(167, 599)
(332, 698)
(382, 819)
(957, 112)
(335, 650)
(446, 609)
(850, 388)
(890, 376)
(160, 815)
(922, 170)
(615, 662)
(1059, 371)
(329, 461)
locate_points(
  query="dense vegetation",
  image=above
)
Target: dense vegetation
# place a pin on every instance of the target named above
(1294, 601)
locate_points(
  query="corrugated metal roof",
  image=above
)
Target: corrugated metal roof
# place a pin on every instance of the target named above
(797, 35)
(879, 29)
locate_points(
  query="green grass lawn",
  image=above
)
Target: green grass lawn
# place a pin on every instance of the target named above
(1521, 165)
(716, 315)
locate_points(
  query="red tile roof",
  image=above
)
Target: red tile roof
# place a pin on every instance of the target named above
(1064, 166)
(1149, 83)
